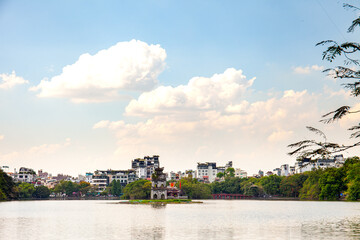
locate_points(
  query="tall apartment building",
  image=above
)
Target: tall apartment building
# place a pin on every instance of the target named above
(145, 167)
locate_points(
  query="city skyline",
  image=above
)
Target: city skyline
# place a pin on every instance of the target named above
(90, 85)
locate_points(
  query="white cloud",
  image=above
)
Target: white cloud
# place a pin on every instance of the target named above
(35, 151)
(280, 136)
(11, 80)
(2, 137)
(200, 93)
(126, 66)
(48, 148)
(307, 69)
(199, 122)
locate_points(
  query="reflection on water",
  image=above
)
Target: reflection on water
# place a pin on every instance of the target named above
(348, 228)
(148, 233)
(216, 219)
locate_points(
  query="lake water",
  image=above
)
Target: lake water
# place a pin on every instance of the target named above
(214, 219)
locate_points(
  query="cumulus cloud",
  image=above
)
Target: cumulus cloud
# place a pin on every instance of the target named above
(201, 93)
(11, 80)
(210, 119)
(201, 137)
(126, 66)
(307, 69)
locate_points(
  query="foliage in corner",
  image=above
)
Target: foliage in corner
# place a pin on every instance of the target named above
(350, 72)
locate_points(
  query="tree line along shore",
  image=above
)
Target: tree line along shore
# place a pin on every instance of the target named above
(322, 184)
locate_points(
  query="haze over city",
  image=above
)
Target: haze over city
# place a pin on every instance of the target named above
(89, 85)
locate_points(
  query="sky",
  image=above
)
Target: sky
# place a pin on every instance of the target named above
(88, 85)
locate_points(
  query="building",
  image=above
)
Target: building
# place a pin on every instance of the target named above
(25, 175)
(240, 173)
(100, 180)
(207, 171)
(277, 171)
(123, 176)
(307, 164)
(89, 177)
(284, 170)
(145, 167)
(158, 185)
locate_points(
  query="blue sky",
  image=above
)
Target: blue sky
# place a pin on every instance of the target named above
(273, 41)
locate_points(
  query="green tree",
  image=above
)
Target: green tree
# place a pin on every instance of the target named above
(290, 186)
(353, 192)
(41, 192)
(331, 184)
(271, 184)
(311, 188)
(352, 166)
(350, 72)
(200, 191)
(67, 187)
(230, 172)
(84, 187)
(194, 189)
(26, 190)
(139, 189)
(220, 174)
(115, 188)
(8, 188)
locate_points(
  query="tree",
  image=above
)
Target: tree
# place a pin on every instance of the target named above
(290, 186)
(311, 189)
(353, 179)
(331, 184)
(26, 190)
(348, 71)
(139, 189)
(67, 187)
(200, 191)
(8, 188)
(271, 184)
(84, 187)
(230, 172)
(115, 188)
(41, 192)
(220, 174)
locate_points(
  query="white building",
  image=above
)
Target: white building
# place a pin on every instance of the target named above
(284, 170)
(25, 175)
(207, 171)
(100, 181)
(145, 167)
(307, 165)
(88, 177)
(240, 173)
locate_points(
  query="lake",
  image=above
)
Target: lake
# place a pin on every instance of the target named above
(214, 219)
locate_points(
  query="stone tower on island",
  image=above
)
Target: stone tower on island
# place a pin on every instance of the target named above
(158, 184)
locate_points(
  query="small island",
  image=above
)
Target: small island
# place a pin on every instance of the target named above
(160, 201)
(160, 194)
